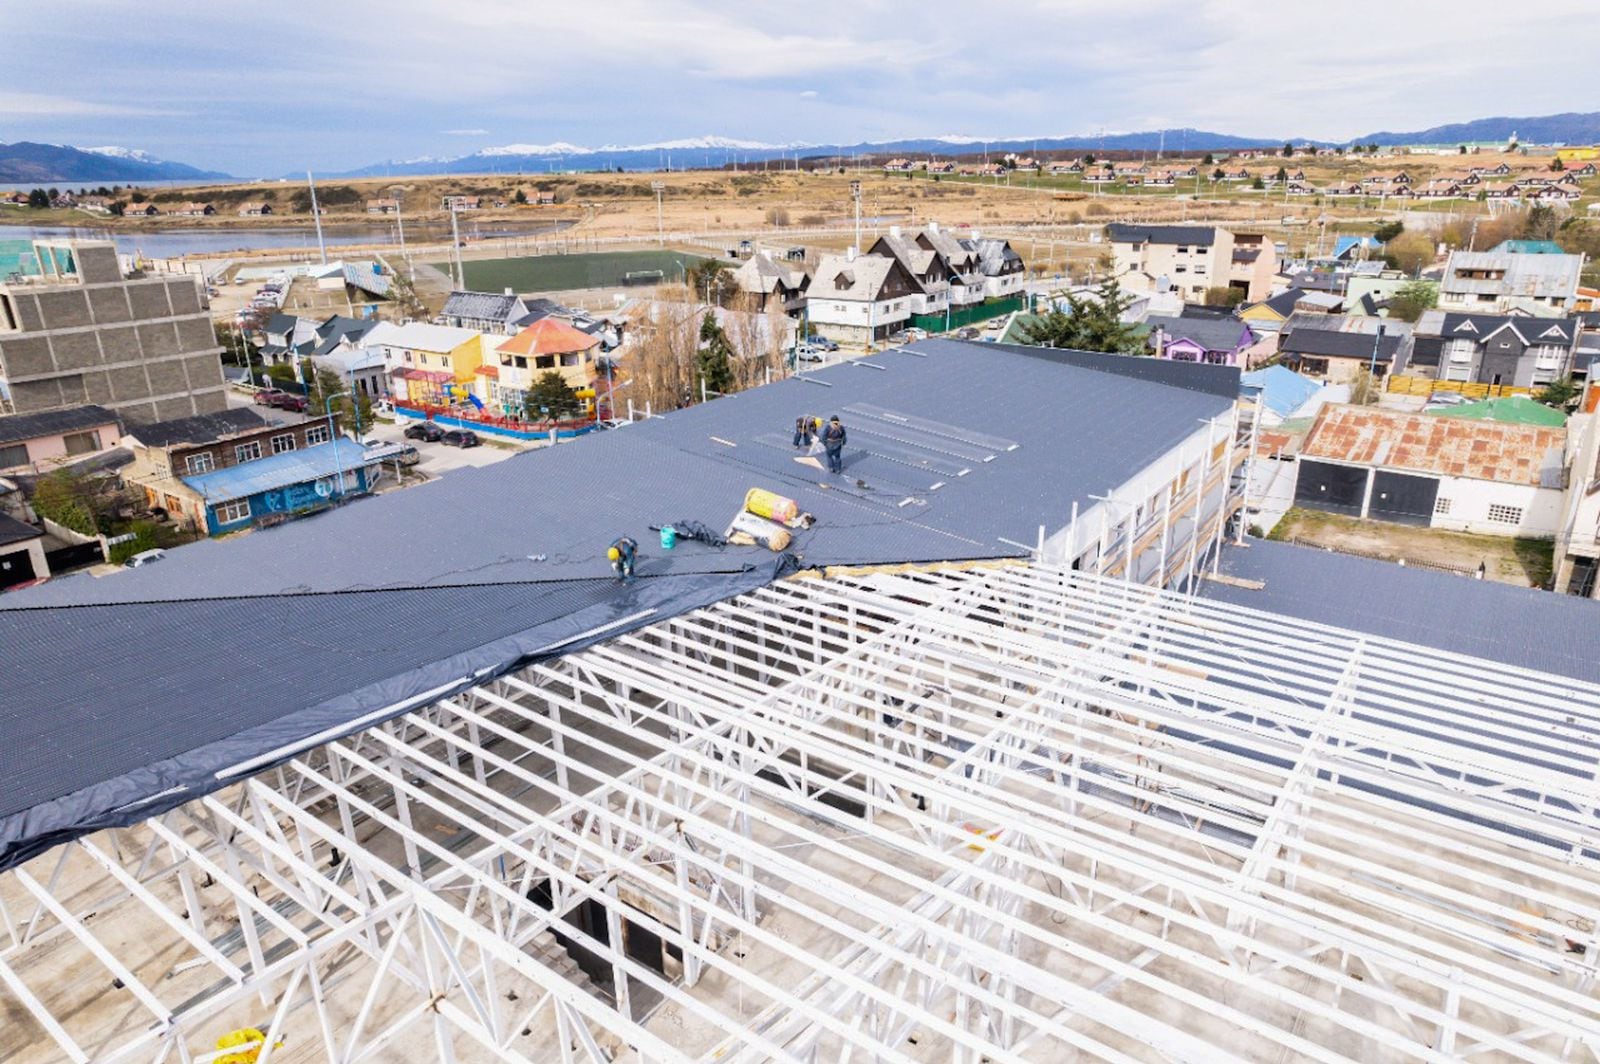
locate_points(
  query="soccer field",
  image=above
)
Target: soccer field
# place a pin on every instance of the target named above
(555, 273)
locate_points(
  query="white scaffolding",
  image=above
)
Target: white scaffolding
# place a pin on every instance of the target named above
(975, 813)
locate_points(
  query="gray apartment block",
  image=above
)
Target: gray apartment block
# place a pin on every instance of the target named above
(82, 333)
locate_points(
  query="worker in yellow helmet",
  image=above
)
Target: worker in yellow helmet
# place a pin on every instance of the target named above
(621, 554)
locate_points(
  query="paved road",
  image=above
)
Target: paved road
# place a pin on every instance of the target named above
(438, 459)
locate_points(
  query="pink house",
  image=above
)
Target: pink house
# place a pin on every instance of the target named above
(52, 438)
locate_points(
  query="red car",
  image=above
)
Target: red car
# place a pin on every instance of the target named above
(270, 397)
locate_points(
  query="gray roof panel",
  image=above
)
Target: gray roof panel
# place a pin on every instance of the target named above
(15, 427)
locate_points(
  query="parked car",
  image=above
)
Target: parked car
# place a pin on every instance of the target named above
(807, 353)
(968, 333)
(269, 397)
(291, 401)
(901, 336)
(460, 438)
(406, 455)
(822, 343)
(146, 557)
(914, 334)
(427, 431)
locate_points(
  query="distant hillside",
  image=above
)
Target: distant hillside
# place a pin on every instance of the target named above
(25, 161)
(1569, 128)
(720, 151)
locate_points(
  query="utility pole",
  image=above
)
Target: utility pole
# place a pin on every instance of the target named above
(455, 241)
(316, 216)
(661, 232)
(855, 194)
(400, 221)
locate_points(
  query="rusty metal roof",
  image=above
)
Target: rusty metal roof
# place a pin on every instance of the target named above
(1452, 447)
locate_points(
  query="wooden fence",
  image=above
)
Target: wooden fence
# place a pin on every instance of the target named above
(1426, 386)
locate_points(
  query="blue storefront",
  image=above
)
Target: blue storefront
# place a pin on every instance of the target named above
(282, 485)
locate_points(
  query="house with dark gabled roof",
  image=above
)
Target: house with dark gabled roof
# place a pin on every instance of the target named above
(1336, 349)
(48, 438)
(860, 298)
(484, 311)
(765, 281)
(1215, 341)
(1497, 349)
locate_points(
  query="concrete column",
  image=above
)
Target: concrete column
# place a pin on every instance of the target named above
(1366, 496)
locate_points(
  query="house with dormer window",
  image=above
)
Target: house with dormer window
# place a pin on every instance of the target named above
(1498, 349)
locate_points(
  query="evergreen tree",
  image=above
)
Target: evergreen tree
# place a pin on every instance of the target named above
(551, 397)
(715, 361)
(1088, 324)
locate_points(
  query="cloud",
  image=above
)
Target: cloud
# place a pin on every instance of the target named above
(37, 105)
(809, 94)
(465, 132)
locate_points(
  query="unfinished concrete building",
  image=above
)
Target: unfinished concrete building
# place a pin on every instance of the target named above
(972, 784)
(80, 332)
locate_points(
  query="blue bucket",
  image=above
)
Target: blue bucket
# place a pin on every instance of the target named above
(669, 537)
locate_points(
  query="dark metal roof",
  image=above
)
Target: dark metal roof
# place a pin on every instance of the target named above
(52, 422)
(1209, 333)
(1530, 330)
(1332, 343)
(1123, 233)
(1519, 626)
(14, 531)
(199, 428)
(482, 306)
(956, 451)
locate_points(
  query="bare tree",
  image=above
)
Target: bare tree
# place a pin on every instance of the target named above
(662, 365)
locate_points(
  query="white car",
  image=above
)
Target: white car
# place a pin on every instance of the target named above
(146, 557)
(807, 353)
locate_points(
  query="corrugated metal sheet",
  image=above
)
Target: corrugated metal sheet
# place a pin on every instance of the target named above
(1454, 447)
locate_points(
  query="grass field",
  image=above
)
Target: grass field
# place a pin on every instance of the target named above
(560, 273)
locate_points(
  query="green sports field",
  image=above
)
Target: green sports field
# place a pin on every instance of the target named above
(557, 273)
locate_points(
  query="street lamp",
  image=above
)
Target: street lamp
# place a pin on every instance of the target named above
(333, 431)
(855, 194)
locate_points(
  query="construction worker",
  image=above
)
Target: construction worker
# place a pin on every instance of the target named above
(833, 441)
(802, 432)
(621, 553)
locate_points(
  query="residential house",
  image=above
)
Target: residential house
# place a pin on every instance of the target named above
(1298, 188)
(1023, 162)
(1253, 264)
(1190, 258)
(899, 166)
(140, 210)
(1099, 177)
(254, 208)
(167, 455)
(460, 203)
(767, 282)
(1466, 475)
(287, 338)
(1556, 194)
(1002, 268)
(425, 362)
(1070, 166)
(1337, 348)
(1585, 169)
(1500, 169)
(339, 348)
(1184, 171)
(1344, 188)
(860, 298)
(1161, 179)
(193, 210)
(51, 438)
(991, 170)
(924, 264)
(943, 167)
(1386, 183)
(484, 311)
(1240, 174)
(1494, 282)
(1516, 350)
(383, 206)
(1500, 190)
(1577, 554)
(1283, 394)
(22, 557)
(1268, 316)
(1216, 341)
(547, 345)
(14, 199)
(95, 204)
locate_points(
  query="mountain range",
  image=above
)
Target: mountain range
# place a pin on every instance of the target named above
(27, 162)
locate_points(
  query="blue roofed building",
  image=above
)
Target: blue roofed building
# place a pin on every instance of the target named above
(1282, 391)
(269, 489)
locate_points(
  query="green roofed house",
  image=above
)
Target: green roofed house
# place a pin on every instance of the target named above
(1514, 409)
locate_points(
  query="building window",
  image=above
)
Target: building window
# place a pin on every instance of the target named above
(230, 512)
(282, 444)
(247, 452)
(545, 362)
(1505, 515)
(199, 463)
(1441, 507)
(316, 434)
(15, 454)
(82, 442)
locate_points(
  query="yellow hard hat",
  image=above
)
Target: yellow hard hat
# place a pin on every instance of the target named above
(613, 554)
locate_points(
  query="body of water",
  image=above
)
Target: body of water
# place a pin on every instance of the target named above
(174, 243)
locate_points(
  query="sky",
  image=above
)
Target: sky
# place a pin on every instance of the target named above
(267, 89)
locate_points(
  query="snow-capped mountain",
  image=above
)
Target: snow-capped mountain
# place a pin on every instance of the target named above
(26, 161)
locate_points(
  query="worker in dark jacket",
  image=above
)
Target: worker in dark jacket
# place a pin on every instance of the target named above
(802, 431)
(833, 441)
(622, 553)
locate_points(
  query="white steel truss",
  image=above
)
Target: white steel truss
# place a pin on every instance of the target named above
(1000, 813)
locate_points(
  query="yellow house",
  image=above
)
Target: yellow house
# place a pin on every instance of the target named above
(425, 361)
(1269, 315)
(548, 344)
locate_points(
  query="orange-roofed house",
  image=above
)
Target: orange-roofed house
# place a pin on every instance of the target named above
(548, 344)
(1494, 477)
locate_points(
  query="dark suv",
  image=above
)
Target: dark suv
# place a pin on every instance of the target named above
(427, 431)
(460, 438)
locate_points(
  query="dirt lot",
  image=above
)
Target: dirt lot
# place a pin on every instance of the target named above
(1526, 562)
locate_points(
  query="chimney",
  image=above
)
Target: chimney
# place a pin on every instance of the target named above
(894, 231)
(850, 253)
